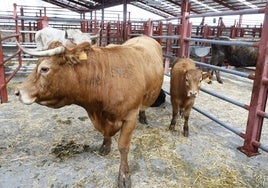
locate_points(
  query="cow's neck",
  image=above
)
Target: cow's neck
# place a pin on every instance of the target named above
(88, 81)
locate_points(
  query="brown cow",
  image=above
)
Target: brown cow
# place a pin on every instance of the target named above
(111, 83)
(185, 84)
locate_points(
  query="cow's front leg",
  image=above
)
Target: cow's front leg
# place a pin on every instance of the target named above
(129, 125)
(185, 126)
(174, 119)
(106, 146)
(186, 115)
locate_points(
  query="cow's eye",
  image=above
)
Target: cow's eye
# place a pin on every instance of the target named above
(44, 70)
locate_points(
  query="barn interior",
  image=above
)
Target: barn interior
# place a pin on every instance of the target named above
(179, 36)
(164, 8)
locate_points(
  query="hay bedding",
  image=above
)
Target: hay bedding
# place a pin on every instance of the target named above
(43, 147)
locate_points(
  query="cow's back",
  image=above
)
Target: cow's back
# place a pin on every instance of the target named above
(152, 66)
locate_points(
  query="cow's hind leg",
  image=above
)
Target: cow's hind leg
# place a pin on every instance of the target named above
(143, 118)
(218, 76)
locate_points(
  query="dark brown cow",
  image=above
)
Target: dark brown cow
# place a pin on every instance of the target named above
(111, 83)
(185, 84)
(238, 56)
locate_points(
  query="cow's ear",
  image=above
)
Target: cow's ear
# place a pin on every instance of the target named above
(79, 53)
(84, 46)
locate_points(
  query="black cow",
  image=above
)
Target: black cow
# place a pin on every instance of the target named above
(237, 56)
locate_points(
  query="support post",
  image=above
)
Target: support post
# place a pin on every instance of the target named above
(259, 95)
(3, 89)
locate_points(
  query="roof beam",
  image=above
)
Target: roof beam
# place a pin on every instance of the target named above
(154, 9)
(63, 5)
(179, 4)
(225, 4)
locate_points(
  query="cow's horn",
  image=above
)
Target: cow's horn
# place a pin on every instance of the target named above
(50, 52)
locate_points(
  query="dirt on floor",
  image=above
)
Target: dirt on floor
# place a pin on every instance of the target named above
(43, 147)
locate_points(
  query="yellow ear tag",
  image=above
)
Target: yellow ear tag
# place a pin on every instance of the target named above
(83, 56)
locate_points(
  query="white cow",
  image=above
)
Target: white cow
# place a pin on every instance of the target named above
(47, 35)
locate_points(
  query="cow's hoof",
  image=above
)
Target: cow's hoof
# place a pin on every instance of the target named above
(186, 133)
(143, 121)
(124, 181)
(104, 150)
(172, 127)
(220, 81)
(142, 118)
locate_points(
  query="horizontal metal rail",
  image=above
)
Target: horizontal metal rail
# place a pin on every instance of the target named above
(224, 42)
(263, 147)
(166, 37)
(51, 19)
(168, 19)
(221, 13)
(228, 13)
(237, 103)
(227, 126)
(223, 124)
(223, 69)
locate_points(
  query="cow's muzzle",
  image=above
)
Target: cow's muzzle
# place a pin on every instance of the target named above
(23, 97)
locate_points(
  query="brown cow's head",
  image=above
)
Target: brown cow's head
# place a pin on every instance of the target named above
(51, 82)
(193, 78)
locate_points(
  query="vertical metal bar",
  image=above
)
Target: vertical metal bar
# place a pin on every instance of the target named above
(160, 31)
(3, 89)
(184, 44)
(30, 34)
(259, 95)
(149, 29)
(184, 30)
(108, 30)
(124, 20)
(168, 48)
(22, 24)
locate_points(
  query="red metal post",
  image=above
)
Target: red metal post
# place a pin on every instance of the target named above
(168, 47)
(149, 29)
(30, 34)
(22, 24)
(185, 32)
(129, 30)
(83, 22)
(3, 89)
(124, 29)
(118, 32)
(160, 31)
(259, 95)
(108, 35)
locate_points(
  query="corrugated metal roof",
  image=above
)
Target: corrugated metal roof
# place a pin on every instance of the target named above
(164, 8)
